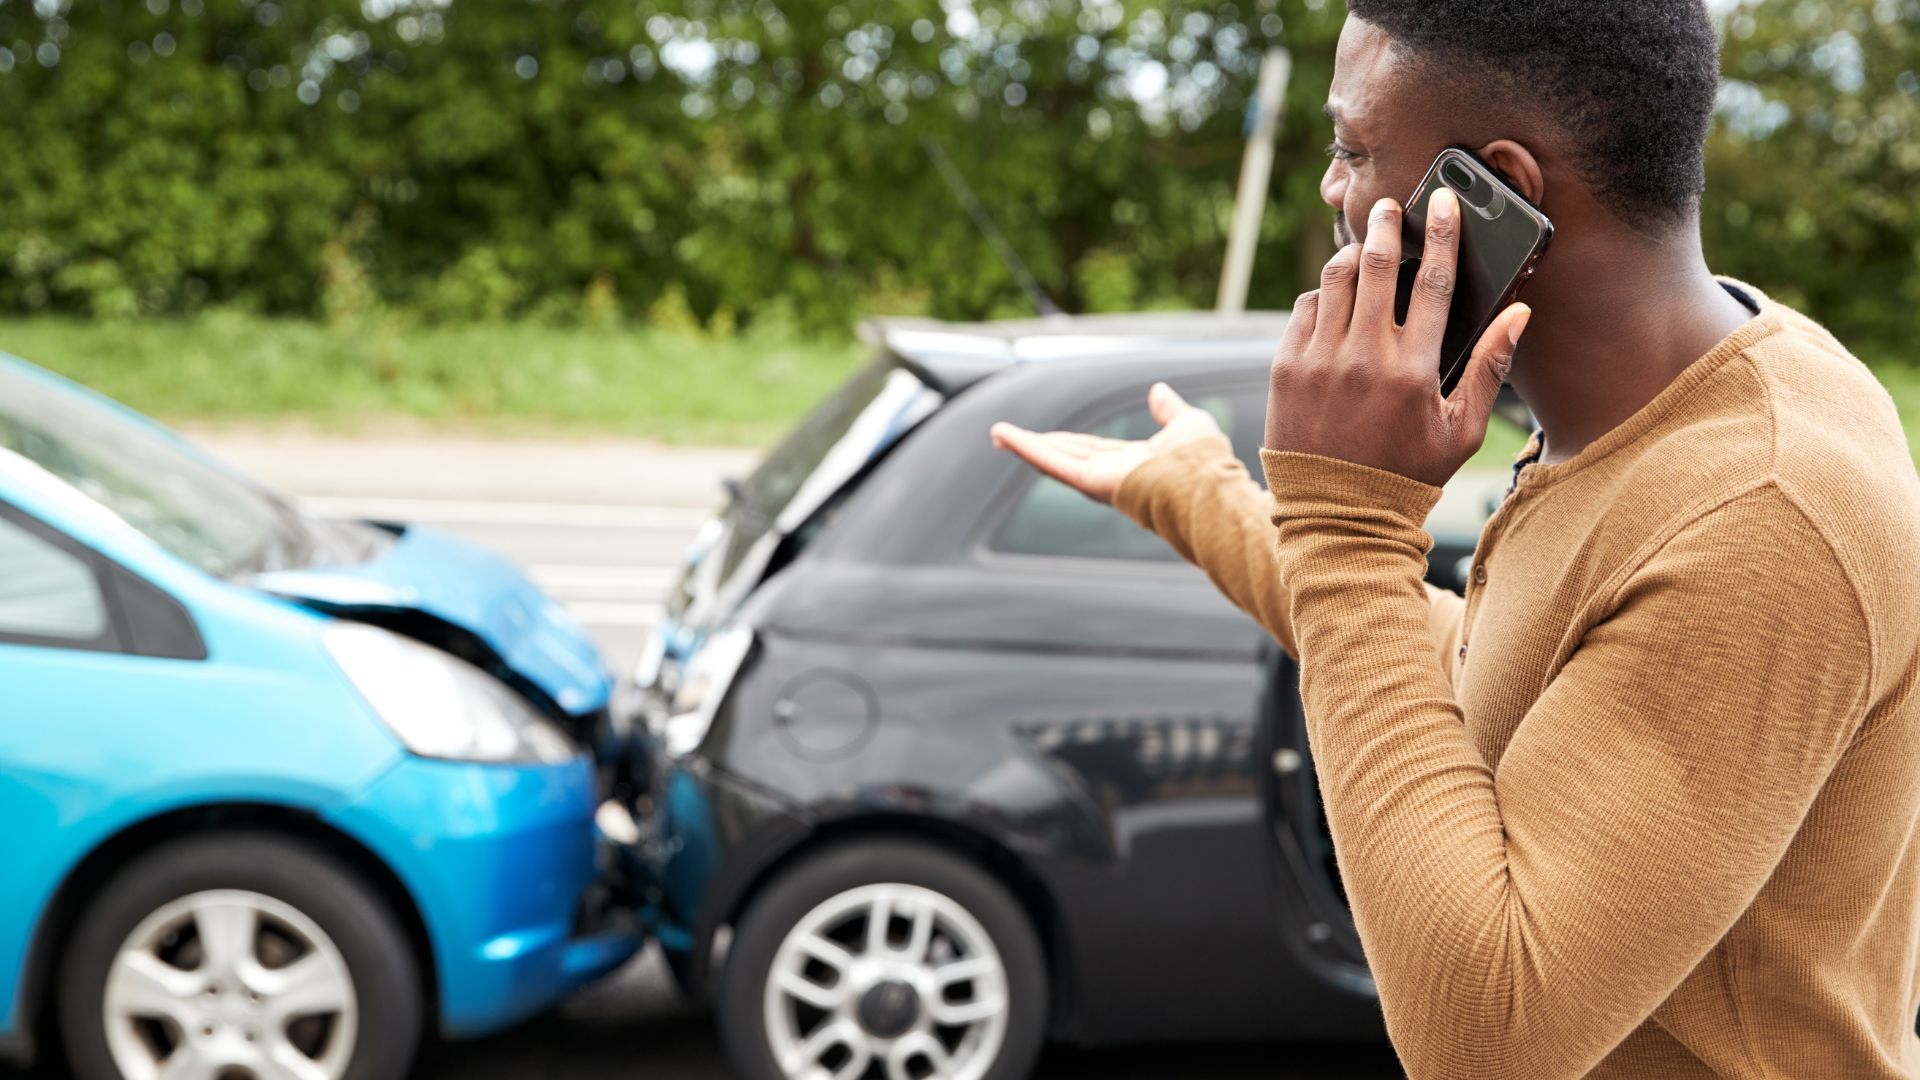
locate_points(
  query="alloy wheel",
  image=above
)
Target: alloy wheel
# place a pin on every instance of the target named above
(230, 985)
(886, 982)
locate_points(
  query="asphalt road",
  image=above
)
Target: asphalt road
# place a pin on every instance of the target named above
(634, 1026)
(601, 526)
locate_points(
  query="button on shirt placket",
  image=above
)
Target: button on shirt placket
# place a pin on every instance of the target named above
(1477, 580)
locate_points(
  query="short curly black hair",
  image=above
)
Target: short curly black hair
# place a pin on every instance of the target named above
(1632, 83)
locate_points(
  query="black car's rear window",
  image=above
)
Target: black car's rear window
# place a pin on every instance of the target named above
(868, 414)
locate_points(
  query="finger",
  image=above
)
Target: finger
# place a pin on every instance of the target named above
(1072, 443)
(1480, 387)
(1379, 271)
(1336, 295)
(1165, 404)
(1439, 266)
(1306, 312)
(1039, 452)
(1295, 342)
(1027, 444)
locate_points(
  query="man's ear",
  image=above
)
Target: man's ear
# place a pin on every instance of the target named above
(1519, 166)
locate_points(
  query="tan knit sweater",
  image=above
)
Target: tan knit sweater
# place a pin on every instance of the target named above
(1643, 804)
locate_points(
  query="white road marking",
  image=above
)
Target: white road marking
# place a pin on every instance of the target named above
(572, 578)
(479, 512)
(592, 613)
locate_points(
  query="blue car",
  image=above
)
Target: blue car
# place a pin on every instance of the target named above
(278, 796)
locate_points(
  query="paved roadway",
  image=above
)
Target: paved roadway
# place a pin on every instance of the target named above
(602, 525)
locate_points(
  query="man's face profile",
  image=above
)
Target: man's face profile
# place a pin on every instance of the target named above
(1386, 132)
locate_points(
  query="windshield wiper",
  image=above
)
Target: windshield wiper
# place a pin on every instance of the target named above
(741, 501)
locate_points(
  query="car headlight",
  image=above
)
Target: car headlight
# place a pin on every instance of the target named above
(702, 686)
(440, 706)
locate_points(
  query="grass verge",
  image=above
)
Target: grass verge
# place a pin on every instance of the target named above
(515, 377)
(510, 378)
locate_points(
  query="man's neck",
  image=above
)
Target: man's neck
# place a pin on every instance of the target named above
(1599, 352)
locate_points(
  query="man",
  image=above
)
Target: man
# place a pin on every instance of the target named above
(1643, 802)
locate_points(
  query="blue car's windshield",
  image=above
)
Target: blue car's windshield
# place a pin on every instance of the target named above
(185, 503)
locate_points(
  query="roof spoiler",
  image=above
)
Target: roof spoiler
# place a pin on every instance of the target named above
(946, 360)
(950, 357)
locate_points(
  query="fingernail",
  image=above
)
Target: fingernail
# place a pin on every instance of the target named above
(1385, 208)
(1445, 204)
(1519, 325)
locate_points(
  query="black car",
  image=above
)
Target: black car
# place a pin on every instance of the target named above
(942, 760)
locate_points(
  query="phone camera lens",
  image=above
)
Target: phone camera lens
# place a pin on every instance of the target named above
(1456, 176)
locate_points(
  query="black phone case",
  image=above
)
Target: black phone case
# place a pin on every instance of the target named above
(1502, 237)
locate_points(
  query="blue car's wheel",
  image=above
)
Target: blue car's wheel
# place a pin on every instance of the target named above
(239, 956)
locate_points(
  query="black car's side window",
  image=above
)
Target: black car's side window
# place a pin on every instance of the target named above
(1053, 520)
(48, 592)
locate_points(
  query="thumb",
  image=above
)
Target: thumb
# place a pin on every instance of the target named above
(1491, 360)
(1165, 404)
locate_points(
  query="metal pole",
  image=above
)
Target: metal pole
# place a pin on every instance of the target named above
(1256, 168)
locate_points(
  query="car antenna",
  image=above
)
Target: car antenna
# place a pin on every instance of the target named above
(1041, 301)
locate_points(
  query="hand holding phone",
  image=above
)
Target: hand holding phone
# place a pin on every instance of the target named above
(1502, 237)
(1393, 417)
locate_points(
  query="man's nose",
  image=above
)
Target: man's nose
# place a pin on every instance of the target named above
(1333, 186)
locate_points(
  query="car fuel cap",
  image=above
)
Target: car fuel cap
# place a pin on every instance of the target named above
(825, 714)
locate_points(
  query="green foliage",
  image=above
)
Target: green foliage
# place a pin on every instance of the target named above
(1814, 177)
(470, 160)
(719, 163)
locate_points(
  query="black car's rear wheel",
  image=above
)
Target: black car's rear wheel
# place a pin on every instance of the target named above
(884, 961)
(238, 957)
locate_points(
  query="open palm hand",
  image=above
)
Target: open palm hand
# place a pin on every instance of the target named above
(1096, 466)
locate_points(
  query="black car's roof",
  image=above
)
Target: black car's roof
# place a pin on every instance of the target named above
(954, 356)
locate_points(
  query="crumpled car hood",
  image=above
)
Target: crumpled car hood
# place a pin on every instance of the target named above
(471, 589)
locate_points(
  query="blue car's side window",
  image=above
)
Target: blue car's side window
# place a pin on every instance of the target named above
(56, 591)
(47, 592)
(50, 592)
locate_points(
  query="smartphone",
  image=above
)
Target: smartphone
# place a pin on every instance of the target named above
(1502, 237)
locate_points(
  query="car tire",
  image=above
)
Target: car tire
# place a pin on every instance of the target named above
(945, 915)
(302, 931)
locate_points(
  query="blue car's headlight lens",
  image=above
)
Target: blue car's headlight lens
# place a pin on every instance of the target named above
(440, 706)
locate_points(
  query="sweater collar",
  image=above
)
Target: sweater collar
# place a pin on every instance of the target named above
(1765, 323)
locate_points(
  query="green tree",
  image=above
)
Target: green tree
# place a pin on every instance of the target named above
(742, 161)
(753, 158)
(1814, 171)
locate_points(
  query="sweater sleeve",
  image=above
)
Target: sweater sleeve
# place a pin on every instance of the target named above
(1202, 502)
(1522, 921)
